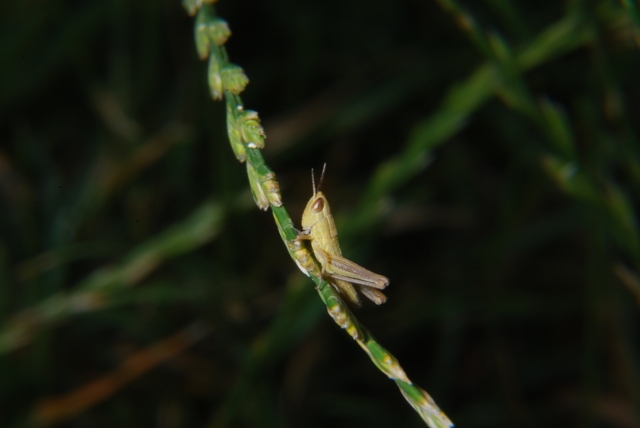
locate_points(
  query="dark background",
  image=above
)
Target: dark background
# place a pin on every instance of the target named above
(508, 228)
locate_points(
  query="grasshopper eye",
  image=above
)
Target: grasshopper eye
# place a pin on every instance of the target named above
(318, 205)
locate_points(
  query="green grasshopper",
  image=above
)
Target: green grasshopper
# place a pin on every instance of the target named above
(318, 227)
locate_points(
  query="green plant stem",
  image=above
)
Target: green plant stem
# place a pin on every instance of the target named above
(249, 150)
(461, 102)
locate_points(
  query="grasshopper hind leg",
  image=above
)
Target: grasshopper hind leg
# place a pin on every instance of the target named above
(376, 296)
(346, 290)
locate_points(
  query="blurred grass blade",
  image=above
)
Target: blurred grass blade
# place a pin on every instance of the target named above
(629, 279)
(55, 410)
(97, 291)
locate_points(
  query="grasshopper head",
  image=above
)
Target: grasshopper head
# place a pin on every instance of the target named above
(317, 208)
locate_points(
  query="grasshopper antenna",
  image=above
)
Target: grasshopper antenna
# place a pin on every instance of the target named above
(324, 168)
(313, 182)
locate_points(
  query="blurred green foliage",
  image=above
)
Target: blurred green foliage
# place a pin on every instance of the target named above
(482, 155)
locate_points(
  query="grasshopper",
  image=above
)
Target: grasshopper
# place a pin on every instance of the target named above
(345, 276)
